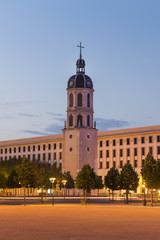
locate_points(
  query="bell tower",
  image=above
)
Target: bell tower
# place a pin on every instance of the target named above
(79, 134)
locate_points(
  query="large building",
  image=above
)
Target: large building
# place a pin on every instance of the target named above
(80, 141)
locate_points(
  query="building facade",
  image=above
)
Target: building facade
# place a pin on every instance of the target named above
(80, 142)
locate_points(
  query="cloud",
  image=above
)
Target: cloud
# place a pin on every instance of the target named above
(27, 115)
(40, 133)
(56, 114)
(110, 124)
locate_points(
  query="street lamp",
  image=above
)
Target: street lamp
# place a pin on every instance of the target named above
(52, 181)
(64, 183)
(144, 200)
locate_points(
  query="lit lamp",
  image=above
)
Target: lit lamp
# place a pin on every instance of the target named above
(144, 200)
(52, 181)
(64, 183)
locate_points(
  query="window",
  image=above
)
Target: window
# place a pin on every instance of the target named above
(88, 136)
(142, 140)
(135, 140)
(79, 120)
(100, 165)
(121, 142)
(39, 147)
(60, 155)
(44, 147)
(121, 152)
(101, 143)
(128, 152)
(44, 156)
(14, 149)
(128, 161)
(114, 142)
(107, 164)
(10, 150)
(143, 162)
(150, 150)
(54, 146)
(100, 154)
(29, 148)
(88, 121)
(88, 100)
(24, 149)
(135, 151)
(143, 151)
(79, 100)
(60, 146)
(5, 150)
(114, 153)
(70, 149)
(88, 149)
(34, 148)
(107, 143)
(28, 157)
(39, 157)
(19, 149)
(70, 136)
(135, 163)
(71, 100)
(158, 138)
(128, 141)
(107, 153)
(1, 151)
(70, 120)
(121, 164)
(49, 146)
(54, 156)
(49, 156)
(33, 157)
(114, 164)
(158, 150)
(150, 139)
(60, 166)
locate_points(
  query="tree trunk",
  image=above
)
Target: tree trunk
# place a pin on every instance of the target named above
(112, 195)
(152, 198)
(126, 196)
(24, 196)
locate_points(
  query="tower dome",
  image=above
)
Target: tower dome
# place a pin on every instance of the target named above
(80, 79)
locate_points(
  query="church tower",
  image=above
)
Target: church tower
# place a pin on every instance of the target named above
(79, 133)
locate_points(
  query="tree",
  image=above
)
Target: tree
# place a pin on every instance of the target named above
(42, 178)
(151, 174)
(12, 181)
(128, 179)
(98, 183)
(26, 174)
(112, 180)
(70, 182)
(3, 181)
(85, 180)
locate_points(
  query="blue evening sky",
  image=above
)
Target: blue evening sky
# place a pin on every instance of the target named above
(38, 53)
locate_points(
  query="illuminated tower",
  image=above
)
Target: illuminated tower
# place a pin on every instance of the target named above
(79, 134)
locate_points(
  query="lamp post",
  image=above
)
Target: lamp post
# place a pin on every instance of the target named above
(52, 181)
(144, 199)
(64, 183)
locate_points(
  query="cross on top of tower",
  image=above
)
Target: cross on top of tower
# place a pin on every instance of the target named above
(80, 46)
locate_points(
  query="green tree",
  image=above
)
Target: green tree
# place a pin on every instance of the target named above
(85, 180)
(26, 174)
(42, 178)
(70, 182)
(128, 179)
(151, 174)
(112, 180)
(98, 183)
(12, 181)
(3, 181)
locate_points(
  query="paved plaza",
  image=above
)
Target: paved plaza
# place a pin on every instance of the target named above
(45, 222)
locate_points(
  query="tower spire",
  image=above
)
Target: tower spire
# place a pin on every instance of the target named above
(80, 46)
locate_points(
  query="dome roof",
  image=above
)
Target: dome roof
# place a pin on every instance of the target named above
(80, 80)
(80, 63)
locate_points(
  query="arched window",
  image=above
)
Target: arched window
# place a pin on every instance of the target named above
(88, 121)
(88, 100)
(79, 120)
(70, 120)
(71, 100)
(79, 100)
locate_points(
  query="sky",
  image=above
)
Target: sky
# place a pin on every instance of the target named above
(38, 53)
